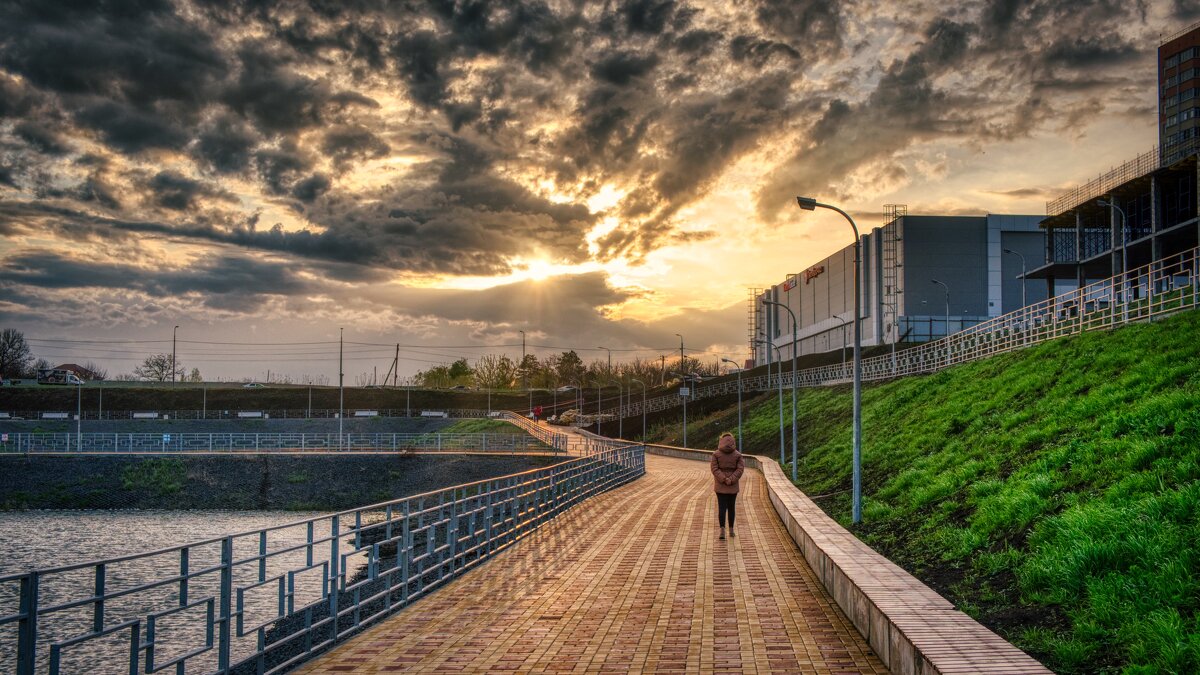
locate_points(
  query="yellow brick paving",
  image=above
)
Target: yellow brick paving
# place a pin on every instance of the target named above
(632, 580)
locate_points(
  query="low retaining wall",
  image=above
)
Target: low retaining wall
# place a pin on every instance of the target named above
(912, 629)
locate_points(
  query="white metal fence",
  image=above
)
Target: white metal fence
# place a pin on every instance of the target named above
(42, 443)
(1163, 287)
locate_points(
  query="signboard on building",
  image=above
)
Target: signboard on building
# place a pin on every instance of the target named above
(813, 272)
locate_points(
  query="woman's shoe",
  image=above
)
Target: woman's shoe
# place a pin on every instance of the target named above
(722, 537)
(731, 534)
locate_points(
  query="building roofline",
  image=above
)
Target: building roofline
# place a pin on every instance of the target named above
(1178, 34)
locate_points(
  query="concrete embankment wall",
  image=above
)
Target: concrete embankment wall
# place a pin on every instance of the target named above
(240, 482)
(911, 628)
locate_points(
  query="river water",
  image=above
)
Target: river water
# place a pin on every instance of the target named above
(44, 539)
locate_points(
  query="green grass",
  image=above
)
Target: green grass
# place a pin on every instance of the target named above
(1053, 493)
(480, 425)
(160, 477)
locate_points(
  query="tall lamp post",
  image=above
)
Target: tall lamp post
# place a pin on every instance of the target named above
(1124, 256)
(739, 374)
(778, 358)
(643, 407)
(686, 379)
(173, 334)
(810, 204)
(842, 325)
(682, 363)
(794, 345)
(341, 387)
(947, 289)
(1024, 302)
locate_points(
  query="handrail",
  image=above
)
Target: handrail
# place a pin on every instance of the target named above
(1162, 287)
(301, 586)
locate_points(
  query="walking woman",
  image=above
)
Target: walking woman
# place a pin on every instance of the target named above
(727, 467)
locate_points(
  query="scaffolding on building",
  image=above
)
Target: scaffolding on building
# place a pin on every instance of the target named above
(892, 290)
(752, 322)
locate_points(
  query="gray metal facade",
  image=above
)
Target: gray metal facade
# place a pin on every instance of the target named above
(964, 252)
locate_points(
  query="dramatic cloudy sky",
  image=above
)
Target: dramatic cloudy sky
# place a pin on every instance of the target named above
(450, 173)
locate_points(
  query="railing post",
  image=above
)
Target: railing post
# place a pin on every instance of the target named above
(27, 626)
(334, 557)
(226, 600)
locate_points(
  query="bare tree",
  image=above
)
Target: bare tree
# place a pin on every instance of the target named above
(95, 371)
(157, 368)
(15, 354)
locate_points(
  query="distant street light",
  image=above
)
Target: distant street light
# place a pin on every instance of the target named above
(643, 407)
(810, 204)
(173, 334)
(682, 363)
(1124, 255)
(1024, 303)
(739, 381)
(779, 359)
(620, 412)
(947, 289)
(794, 344)
(686, 378)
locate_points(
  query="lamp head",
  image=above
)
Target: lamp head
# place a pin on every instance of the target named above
(1009, 250)
(1101, 202)
(807, 203)
(934, 281)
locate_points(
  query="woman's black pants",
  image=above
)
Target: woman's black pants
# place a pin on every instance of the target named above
(726, 504)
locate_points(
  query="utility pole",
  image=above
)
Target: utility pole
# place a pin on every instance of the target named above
(341, 388)
(662, 370)
(682, 364)
(396, 366)
(173, 333)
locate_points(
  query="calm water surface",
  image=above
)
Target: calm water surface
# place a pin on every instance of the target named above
(43, 539)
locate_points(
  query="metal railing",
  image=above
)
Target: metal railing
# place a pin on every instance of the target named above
(1164, 287)
(1154, 159)
(264, 600)
(260, 413)
(43, 443)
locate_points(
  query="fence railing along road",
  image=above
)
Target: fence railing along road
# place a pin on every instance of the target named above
(41, 443)
(1164, 287)
(264, 600)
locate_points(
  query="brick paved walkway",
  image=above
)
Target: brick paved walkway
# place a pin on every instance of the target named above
(632, 580)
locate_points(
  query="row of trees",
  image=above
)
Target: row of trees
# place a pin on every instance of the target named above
(17, 361)
(499, 371)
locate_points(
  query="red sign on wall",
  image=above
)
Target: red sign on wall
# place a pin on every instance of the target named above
(813, 272)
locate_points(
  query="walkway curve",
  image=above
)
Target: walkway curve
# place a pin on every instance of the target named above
(633, 580)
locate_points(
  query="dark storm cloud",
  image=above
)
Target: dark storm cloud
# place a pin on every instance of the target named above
(176, 192)
(310, 188)
(280, 167)
(347, 143)
(136, 52)
(41, 137)
(129, 130)
(226, 144)
(232, 282)
(622, 67)
(1031, 50)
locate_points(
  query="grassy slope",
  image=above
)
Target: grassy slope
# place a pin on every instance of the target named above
(1052, 493)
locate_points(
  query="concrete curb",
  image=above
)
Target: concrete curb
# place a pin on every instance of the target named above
(912, 629)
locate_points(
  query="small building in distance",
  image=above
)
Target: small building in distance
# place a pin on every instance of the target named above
(979, 259)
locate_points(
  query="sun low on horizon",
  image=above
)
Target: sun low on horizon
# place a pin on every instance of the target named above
(414, 171)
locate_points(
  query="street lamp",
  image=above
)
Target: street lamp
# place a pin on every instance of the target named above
(1124, 256)
(686, 378)
(643, 407)
(793, 315)
(779, 358)
(947, 289)
(620, 412)
(739, 374)
(810, 204)
(609, 371)
(682, 363)
(173, 334)
(842, 325)
(1024, 303)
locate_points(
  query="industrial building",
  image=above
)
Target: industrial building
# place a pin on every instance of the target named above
(1145, 210)
(922, 277)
